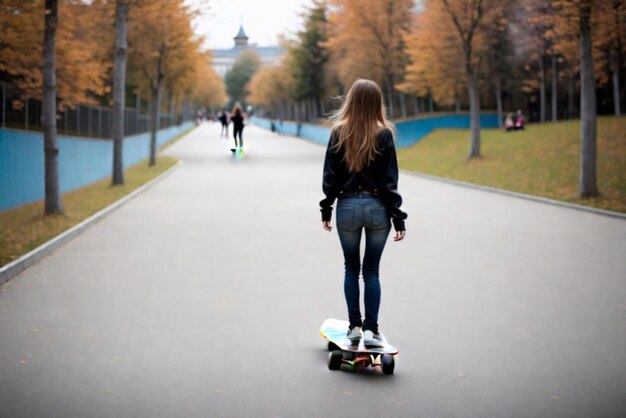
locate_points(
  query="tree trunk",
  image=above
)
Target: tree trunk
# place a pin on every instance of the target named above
(542, 90)
(119, 89)
(416, 104)
(616, 88)
(431, 104)
(570, 96)
(170, 110)
(588, 185)
(155, 120)
(309, 111)
(402, 104)
(498, 85)
(457, 103)
(390, 108)
(554, 85)
(474, 100)
(48, 111)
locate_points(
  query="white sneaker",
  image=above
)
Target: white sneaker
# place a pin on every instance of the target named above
(373, 340)
(354, 333)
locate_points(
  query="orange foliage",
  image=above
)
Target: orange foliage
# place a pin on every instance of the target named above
(270, 85)
(437, 58)
(365, 39)
(81, 71)
(435, 55)
(164, 52)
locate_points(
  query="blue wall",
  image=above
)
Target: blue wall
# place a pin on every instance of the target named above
(408, 132)
(81, 161)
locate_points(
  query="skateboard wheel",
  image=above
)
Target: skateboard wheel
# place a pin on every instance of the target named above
(388, 363)
(332, 346)
(334, 360)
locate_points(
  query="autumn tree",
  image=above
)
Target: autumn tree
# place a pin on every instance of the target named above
(119, 87)
(610, 45)
(270, 88)
(308, 56)
(161, 39)
(238, 77)
(588, 183)
(534, 43)
(435, 68)
(499, 51)
(48, 111)
(466, 16)
(576, 21)
(81, 73)
(365, 40)
(208, 90)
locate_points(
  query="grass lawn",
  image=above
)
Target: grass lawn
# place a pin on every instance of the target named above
(543, 160)
(25, 228)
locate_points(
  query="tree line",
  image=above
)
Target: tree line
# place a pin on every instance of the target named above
(104, 52)
(555, 59)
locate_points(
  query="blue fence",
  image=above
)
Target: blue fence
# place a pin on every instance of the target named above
(81, 161)
(408, 132)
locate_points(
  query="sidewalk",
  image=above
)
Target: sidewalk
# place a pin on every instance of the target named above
(204, 295)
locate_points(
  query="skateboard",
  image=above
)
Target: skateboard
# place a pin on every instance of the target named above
(355, 354)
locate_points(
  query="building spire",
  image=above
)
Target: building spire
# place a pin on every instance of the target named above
(241, 40)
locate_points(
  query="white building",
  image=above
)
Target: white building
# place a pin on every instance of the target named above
(223, 59)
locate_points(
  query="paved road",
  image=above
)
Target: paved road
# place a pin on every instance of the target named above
(204, 295)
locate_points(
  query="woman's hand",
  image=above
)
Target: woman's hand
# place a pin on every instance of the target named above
(326, 226)
(399, 235)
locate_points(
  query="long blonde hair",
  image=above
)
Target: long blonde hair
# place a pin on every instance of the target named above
(357, 122)
(237, 111)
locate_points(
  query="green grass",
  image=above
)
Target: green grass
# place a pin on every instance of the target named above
(543, 160)
(25, 228)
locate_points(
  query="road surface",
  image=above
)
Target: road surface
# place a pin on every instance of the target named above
(204, 295)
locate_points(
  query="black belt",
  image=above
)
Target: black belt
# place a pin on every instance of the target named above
(347, 194)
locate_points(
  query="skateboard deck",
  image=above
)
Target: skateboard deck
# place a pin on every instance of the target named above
(355, 354)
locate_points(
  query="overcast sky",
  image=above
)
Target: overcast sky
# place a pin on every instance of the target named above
(263, 20)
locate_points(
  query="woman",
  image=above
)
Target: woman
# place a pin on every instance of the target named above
(223, 118)
(237, 120)
(361, 171)
(509, 124)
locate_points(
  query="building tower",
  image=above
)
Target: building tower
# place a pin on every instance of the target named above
(241, 40)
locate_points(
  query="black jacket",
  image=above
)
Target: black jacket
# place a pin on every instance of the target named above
(379, 176)
(237, 120)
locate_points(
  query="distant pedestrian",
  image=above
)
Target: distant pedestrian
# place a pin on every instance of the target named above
(237, 118)
(223, 118)
(509, 122)
(361, 170)
(519, 121)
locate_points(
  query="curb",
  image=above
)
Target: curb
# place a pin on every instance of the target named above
(518, 195)
(17, 266)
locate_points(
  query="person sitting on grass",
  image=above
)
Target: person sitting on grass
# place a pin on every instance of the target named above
(519, 122)
(509, 123)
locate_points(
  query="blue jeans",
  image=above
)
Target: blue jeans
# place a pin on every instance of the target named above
(355, 214)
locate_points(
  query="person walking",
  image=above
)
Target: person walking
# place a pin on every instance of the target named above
(223, 118)
(361, 172)
(237, 120)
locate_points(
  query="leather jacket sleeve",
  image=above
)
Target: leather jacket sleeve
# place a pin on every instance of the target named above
(329, 181)
(389, 185)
